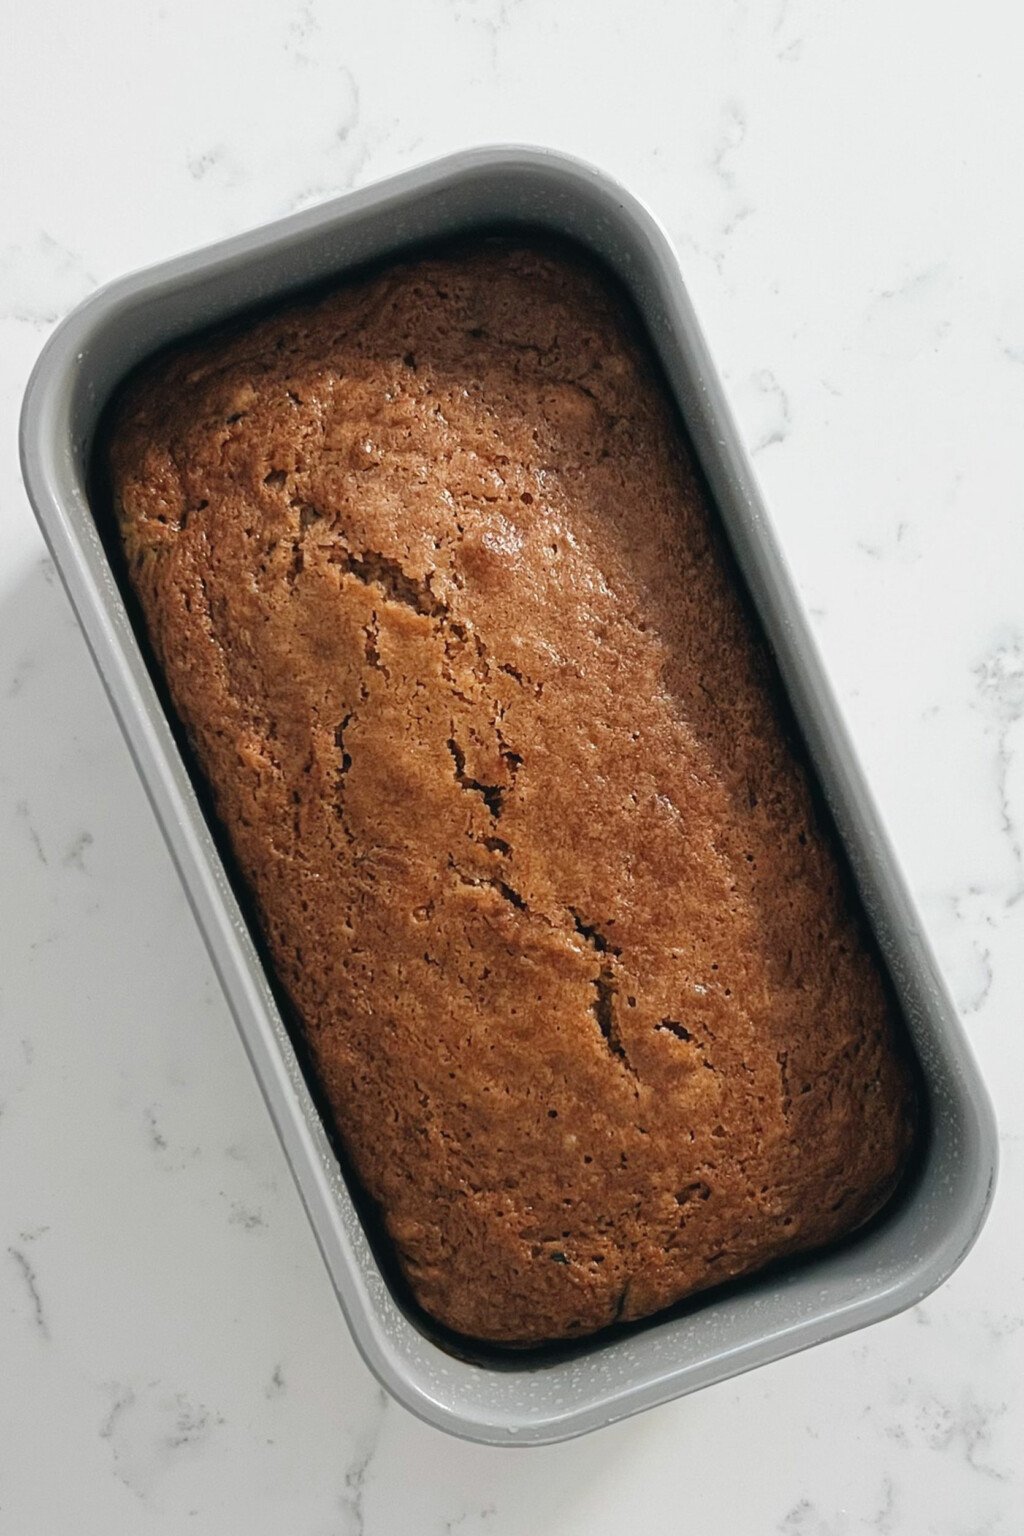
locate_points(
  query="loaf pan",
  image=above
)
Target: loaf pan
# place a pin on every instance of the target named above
(537, 1397)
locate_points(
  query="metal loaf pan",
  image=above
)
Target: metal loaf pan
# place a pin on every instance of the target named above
(531, 1399)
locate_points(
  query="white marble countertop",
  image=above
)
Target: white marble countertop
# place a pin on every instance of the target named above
(842, 185)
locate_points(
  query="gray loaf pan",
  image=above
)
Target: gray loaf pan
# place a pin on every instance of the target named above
(536, 1397)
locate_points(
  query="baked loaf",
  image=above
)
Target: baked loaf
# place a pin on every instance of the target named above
(439, 601)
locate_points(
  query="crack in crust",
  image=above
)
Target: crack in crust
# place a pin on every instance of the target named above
(373, 568)
(493, 883)
(492, 794)
(606, 986)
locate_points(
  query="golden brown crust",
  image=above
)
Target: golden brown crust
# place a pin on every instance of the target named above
(435, 592)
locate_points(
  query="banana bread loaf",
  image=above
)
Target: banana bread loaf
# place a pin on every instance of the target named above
(439, 601)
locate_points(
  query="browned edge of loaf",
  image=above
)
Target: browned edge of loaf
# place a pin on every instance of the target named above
(505, 766)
